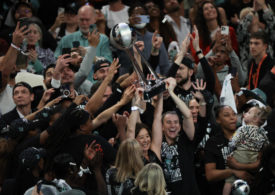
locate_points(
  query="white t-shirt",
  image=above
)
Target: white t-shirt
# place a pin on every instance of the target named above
(114, 18)
(6, 100)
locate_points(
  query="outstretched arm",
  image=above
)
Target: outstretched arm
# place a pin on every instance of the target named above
(157, 127)
(107, 114)
(187, 123)
(94, 102)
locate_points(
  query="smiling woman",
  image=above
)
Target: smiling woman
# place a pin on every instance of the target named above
(38, 57)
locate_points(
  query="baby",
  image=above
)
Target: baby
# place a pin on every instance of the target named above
(248, 140)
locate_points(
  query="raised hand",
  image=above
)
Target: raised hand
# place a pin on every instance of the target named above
(62, 62)
(128, 95)
(170, 84)
(113, 69)
(94, 38)
(195, 39)
(19, 34)
(156, 40)
(199, 86)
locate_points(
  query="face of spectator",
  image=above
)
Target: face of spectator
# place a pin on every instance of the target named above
(70, 18)
(171, 6)
(183, 74)
(251, 115)
(171, 126)
(67, 75)
(23, 12)
(144, 139)
(86, 17)
(76, 58)
(22, 96)
(227, 119)
(209, 11)
(101, 73)
(257, 47)
(34, 35)
(48, 77)
(194, 108)
(153, 9)
(108, 92)
(221, 55)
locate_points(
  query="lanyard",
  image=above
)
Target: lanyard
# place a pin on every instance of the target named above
(255, 76)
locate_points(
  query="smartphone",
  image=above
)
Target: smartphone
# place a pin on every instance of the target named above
(233, 71)
(224, 30)
(60, 10)
(76, 44)
(30, 47)
(24, 22)
(144, 18)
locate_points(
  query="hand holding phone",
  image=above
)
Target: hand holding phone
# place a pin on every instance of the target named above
(144, 18)
(224, 30)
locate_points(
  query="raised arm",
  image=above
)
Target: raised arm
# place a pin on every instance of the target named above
(187, 123)
(107, 114)
(94, 102)
(86, 64)
(9, 59)
(157, 127)
(137, 105)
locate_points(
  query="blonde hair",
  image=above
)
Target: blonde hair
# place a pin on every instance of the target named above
(39, 31)
(151, 180)
(263, 114)
(129, 160)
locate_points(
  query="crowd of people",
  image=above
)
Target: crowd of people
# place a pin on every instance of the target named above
(75, 117)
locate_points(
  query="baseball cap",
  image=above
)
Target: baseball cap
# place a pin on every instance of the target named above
(31, 156)
(188, 62)
(99, 63)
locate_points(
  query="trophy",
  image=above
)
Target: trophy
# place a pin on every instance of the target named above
(123, 37)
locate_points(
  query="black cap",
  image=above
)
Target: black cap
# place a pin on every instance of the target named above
(188, 62)
(31, 156)
(17, 5)
(71, 8)
(98, 64)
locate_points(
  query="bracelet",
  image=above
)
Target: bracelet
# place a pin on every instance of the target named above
(133, 108)
(15, 47)
(198, 52)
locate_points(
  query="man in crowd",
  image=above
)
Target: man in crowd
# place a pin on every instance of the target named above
(261, 62)
(86, 23)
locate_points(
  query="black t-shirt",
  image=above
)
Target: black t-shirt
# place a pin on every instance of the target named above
(116, 188)
(216, 151)
(152, 158)
(178, 166)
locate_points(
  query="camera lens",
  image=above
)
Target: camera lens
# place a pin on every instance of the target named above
(66, 93)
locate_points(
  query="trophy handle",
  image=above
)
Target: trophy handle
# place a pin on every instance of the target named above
(147, 64)
(136, 67)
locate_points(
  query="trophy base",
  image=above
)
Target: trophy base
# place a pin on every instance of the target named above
(154, 90)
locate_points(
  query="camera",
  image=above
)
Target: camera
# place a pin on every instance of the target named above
(65, 90)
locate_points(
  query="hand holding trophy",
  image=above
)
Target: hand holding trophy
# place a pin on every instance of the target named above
(123, 37)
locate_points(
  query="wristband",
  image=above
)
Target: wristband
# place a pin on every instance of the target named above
(198, 52)
(15, 47)
(133, 108)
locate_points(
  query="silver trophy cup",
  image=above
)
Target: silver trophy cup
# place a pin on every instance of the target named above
(123, 37)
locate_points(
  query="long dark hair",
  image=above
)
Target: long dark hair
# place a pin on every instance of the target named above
(202, 24)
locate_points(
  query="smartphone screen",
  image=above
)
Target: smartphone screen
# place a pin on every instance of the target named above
(224, 30)
(144, 18)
